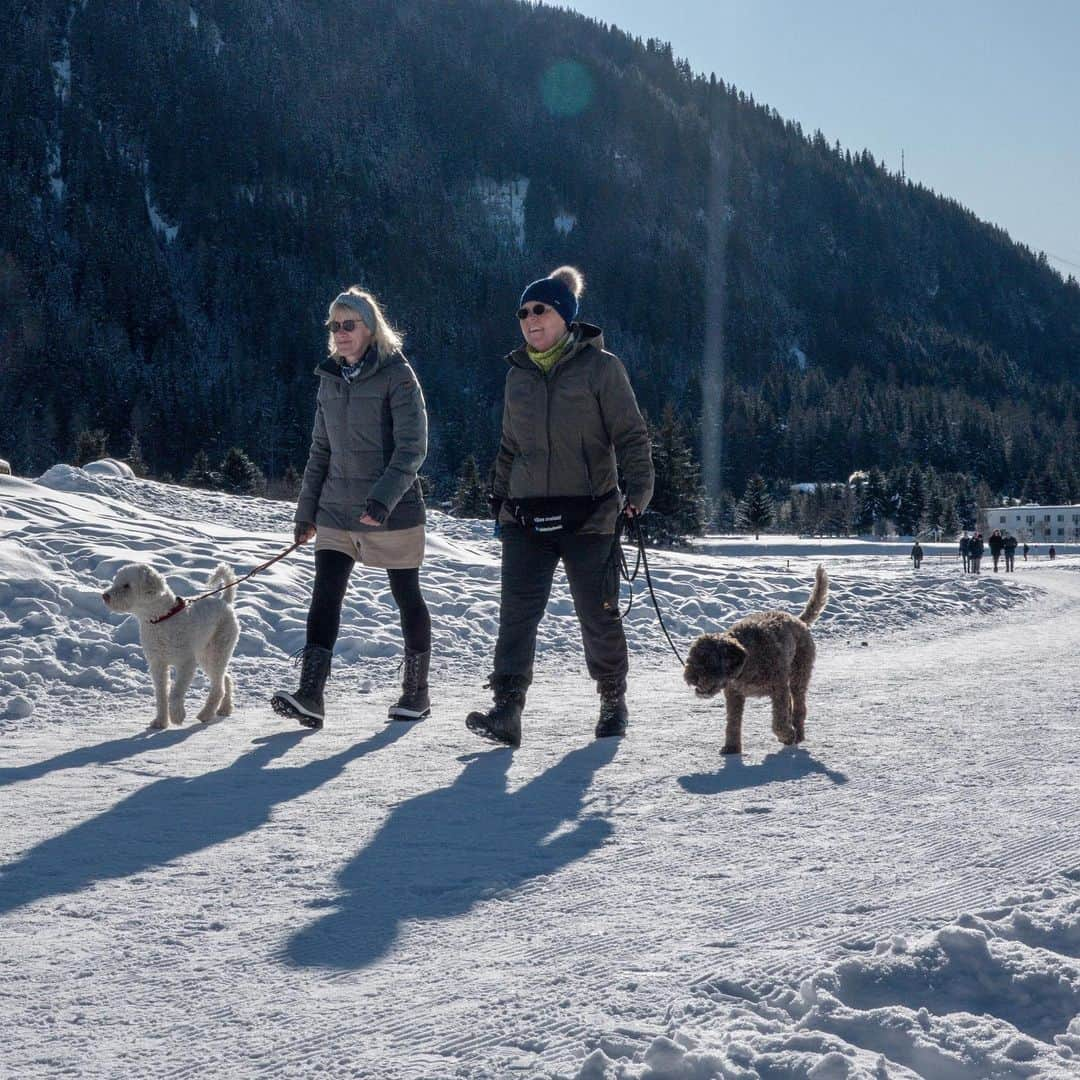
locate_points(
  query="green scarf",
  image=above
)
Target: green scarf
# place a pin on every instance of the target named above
(545, 361)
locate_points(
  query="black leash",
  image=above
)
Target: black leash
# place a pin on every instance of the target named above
(641, 561)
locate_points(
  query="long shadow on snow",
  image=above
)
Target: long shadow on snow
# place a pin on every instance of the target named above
(441, 852)
(171, 818)
(101, 754)
(791, 763)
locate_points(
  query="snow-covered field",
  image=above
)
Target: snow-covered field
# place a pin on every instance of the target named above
(899, 897)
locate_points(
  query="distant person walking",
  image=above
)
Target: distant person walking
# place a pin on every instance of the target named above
(997, 545)
(1026, 550)
(570, 420)
(1052, 552)
(360, 498)
(965, 551)
(975, 552)
(1010, 553)
(916, 554)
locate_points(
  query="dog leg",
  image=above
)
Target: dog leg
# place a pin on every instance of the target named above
(782, 726)
(225, 708)
(214, 698)
(798, 701)
(185, 672)
(734, 702)
(159, 674)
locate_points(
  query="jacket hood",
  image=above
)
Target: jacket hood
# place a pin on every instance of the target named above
(585, 335)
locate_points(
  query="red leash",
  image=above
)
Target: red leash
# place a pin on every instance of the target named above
(181, 603)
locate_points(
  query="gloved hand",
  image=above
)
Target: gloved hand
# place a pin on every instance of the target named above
(303, 531)
(375, 513)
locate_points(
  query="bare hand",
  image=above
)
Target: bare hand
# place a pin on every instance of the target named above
(367, 519)
(631, 511)
(303, 533)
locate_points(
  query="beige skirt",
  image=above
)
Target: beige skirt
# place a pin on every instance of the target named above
(388, 549)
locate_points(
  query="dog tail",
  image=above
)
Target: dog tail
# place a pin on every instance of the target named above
(223, 575)
(818, 598)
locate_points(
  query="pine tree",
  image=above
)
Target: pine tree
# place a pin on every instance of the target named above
(873, 503)
(240, 475)
(470, 498)
(135, 458)
(291, 481)
(678, 506)
(200, 474)
(756, 510)
(90, 446)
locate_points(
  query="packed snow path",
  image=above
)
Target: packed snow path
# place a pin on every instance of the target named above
(404, 901)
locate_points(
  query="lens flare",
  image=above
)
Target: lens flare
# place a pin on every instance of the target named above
(566, 88)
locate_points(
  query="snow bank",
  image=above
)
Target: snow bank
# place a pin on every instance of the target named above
(65, 536)
(989, 997)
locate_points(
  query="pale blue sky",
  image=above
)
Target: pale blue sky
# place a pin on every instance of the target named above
(982, 95)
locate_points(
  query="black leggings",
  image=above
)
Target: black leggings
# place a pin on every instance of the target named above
(332, 570)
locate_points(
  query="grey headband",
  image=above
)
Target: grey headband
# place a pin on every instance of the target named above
(358, 304)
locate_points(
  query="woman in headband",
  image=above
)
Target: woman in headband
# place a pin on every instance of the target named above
(361, 499)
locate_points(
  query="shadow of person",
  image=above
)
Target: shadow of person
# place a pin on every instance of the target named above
(442, 852)
(790, 763)
(100, 754)
(174, 817)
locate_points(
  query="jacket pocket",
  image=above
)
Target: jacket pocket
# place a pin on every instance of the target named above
(588, 470)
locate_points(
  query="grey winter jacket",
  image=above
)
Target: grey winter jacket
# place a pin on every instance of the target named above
(369, 441)
(563, 433)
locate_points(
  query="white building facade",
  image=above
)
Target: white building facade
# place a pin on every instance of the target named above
(1042, 524)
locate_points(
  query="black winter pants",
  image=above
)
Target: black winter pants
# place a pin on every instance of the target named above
(528, 569)
(332, 570)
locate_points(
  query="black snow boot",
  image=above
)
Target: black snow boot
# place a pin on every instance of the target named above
(414, 703)
(613, 712)
(502, 722)
(306, 702)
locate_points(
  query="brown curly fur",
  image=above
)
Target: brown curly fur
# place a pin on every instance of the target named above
(770, 654)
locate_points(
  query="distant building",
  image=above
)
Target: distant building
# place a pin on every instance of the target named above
(1045, 524)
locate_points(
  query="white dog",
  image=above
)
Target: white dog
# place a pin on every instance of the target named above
(201, 634)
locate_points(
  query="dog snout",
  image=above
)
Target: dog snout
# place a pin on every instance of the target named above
(105, 597)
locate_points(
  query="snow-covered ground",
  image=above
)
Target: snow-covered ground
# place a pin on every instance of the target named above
(899, 897)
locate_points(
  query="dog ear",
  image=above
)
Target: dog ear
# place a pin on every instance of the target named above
(150, 580)
(732, 657)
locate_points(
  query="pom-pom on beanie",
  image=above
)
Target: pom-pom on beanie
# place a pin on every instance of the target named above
(562, 289)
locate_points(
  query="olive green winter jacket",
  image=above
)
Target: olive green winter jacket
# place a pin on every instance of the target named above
(369, 441)
(563, 433)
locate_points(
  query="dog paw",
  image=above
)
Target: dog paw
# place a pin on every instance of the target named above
(787, 737)
(730, 748)
(225, 710)
(159, 723)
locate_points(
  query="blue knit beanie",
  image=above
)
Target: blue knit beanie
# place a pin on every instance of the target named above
(553, 291)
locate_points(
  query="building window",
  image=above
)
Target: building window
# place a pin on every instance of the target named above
(1002, 519)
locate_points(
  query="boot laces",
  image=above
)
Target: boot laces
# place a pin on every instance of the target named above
(309, 678)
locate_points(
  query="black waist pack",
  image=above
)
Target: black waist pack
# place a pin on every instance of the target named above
(559, 513)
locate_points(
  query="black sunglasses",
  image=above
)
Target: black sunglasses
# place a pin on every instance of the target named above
(536, 309)
(348, 325)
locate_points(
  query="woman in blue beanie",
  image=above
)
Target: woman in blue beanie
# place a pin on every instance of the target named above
(570, 420)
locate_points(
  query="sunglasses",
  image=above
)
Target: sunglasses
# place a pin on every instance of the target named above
(536, 309)
(348, 325)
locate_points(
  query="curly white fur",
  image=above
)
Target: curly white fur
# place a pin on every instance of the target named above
(203, 635)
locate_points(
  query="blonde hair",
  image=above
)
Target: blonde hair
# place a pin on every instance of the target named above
(387, 340)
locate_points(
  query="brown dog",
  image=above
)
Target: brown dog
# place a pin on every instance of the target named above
(766, 655)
